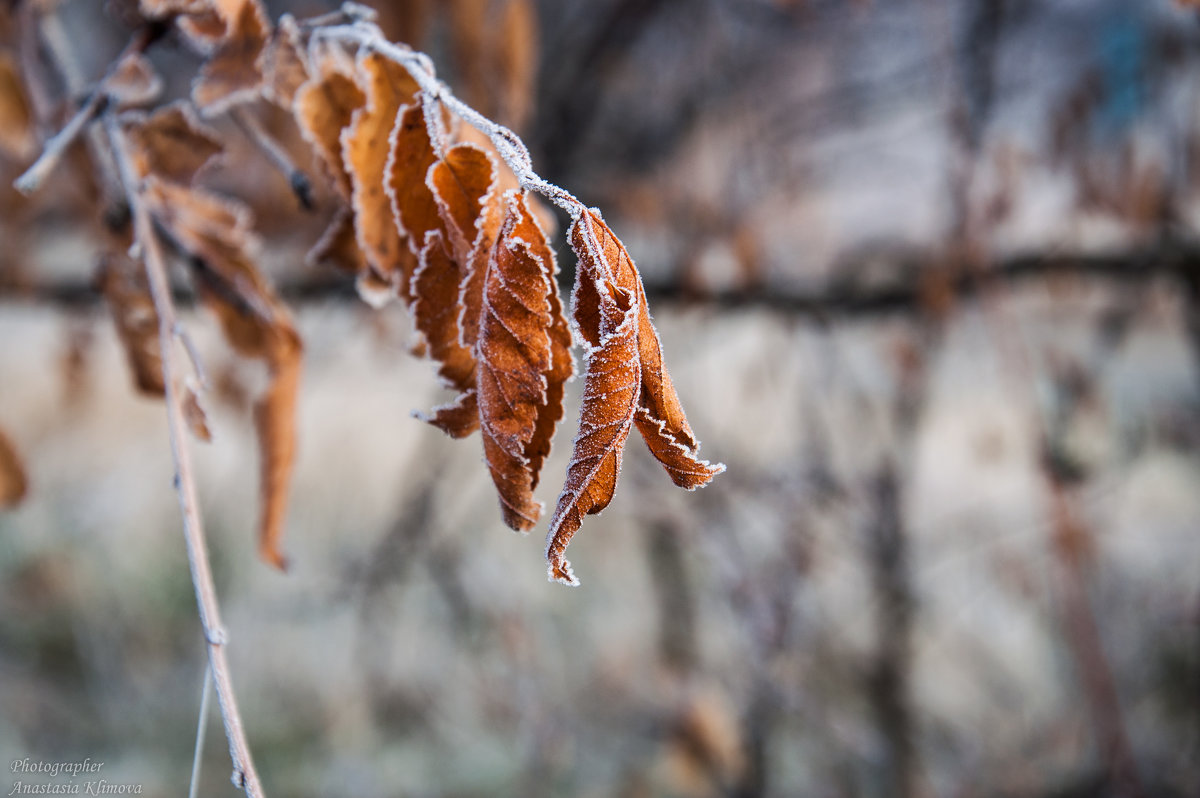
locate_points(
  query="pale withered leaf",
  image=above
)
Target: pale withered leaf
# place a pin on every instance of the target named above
(233, 71)
(18, 140)
(133, 82)
(123, 282)
(170, 143)
(194, 414)
(284, 68)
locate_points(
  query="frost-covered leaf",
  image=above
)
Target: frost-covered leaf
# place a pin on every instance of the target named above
(13, 482)
(233, 72)
(324, 107)
(123, 282)
(409, 157)
(661, 419)
(610, 399)
(284, 68)
(435, 288)
(17, 137)
(194, 414)
(465, 187)
(337, 247)
(215, 234)
(170, 143)
(133, 82)
(522, 361)
(365, 153)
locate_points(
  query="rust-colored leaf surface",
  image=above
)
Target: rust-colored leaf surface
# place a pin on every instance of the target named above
(365, 152)
(521, 360)
(194, 414)
(123, 282)
(284, 69)
(17, 138)
(13, 482)
(133, 82)
(610, 399)
(215, 233)
(170, 143)
(435, 288)
(410, 156)
(661, 419)
(324, 106)
(337, 246)
(466, 190)
(233, 73)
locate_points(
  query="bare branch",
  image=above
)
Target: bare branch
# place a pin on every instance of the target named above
(276, 154)
(149, 250)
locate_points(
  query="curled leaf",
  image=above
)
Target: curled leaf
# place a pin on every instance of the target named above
(194, 415)
(284, 70)
(170, 143)
(323, 107)
(133, 82)
(365, 153)
(123, 282)
(610, 399)
(17, 137)
(13, 482)
(233, 73)
(522, 361)
(662, 422)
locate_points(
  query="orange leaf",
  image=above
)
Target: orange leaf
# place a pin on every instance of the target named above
(465, 187)
(521, 358)
(170, 143)
(284, 70)
(233, 73)
(123, 282)
(365, 153)
(13, 482)
(133, 82)
(323, 107)
(409, 158)
(435, 313)
(17, 137)
(610, 399)
(662, 422)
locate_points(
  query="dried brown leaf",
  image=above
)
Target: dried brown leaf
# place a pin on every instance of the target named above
(215, 233)
(123, 282)
(13, 482)
(661, 419)
(233, 73)
(133, 82)
(435, 287)
(365, 152)
(610, 399)
(516, 49)
(170, 143)
(466, 190)
(194, 415)
(337, 246)
(17, 137)
(284, 69)
(521, 361)
(409, 158)
(324, 107)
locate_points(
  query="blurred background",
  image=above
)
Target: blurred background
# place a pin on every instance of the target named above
(927, 277)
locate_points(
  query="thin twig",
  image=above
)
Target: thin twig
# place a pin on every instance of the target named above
(201, 726)
(276, 154)
(57, 144)
(150, 252)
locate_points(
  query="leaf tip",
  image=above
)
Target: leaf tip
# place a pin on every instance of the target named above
(559, 570)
